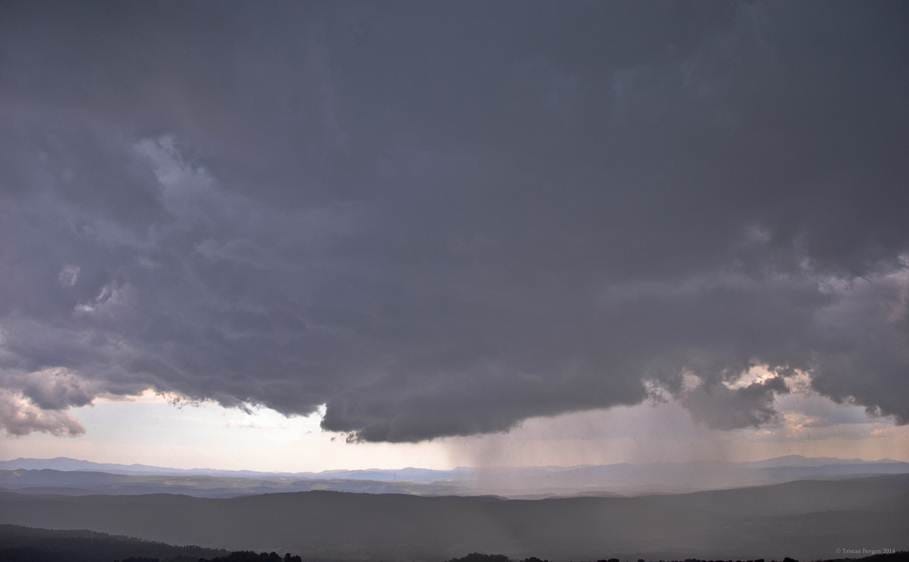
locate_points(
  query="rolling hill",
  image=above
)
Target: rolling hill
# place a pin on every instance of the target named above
(806, 519)
(73, 476)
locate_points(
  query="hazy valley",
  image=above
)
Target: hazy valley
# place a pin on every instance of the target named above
(802, 518)
(77, 477)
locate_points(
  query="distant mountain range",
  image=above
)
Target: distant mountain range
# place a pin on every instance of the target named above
(799, 460)
(79, 482)
(73, 477)
(805, 519)
(64, 463)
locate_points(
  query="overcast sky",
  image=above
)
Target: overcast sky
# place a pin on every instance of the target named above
(412, 227)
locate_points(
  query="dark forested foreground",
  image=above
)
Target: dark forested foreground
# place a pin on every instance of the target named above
(24, 544)
(902, 556)
(808, 520)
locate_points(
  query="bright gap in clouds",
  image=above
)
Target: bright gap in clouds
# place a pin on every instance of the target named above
(161, 430)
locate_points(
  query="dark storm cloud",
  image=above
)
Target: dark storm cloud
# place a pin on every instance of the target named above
(441, 220)
(724, 408)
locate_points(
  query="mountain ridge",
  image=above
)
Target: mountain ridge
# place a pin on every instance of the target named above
(743, 523)
(598, 480)
(71, 463)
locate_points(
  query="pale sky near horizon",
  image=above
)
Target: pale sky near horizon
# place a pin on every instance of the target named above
(151, 429)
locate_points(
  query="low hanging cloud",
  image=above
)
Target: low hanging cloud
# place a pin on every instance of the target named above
(720, 407)
(444, 226)
(20, 417)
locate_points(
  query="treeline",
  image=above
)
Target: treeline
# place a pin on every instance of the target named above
(247, 556)
(893, 557)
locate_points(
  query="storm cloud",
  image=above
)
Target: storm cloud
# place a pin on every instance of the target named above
(441, 220)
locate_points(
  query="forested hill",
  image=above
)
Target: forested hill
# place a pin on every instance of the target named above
(25, 544)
